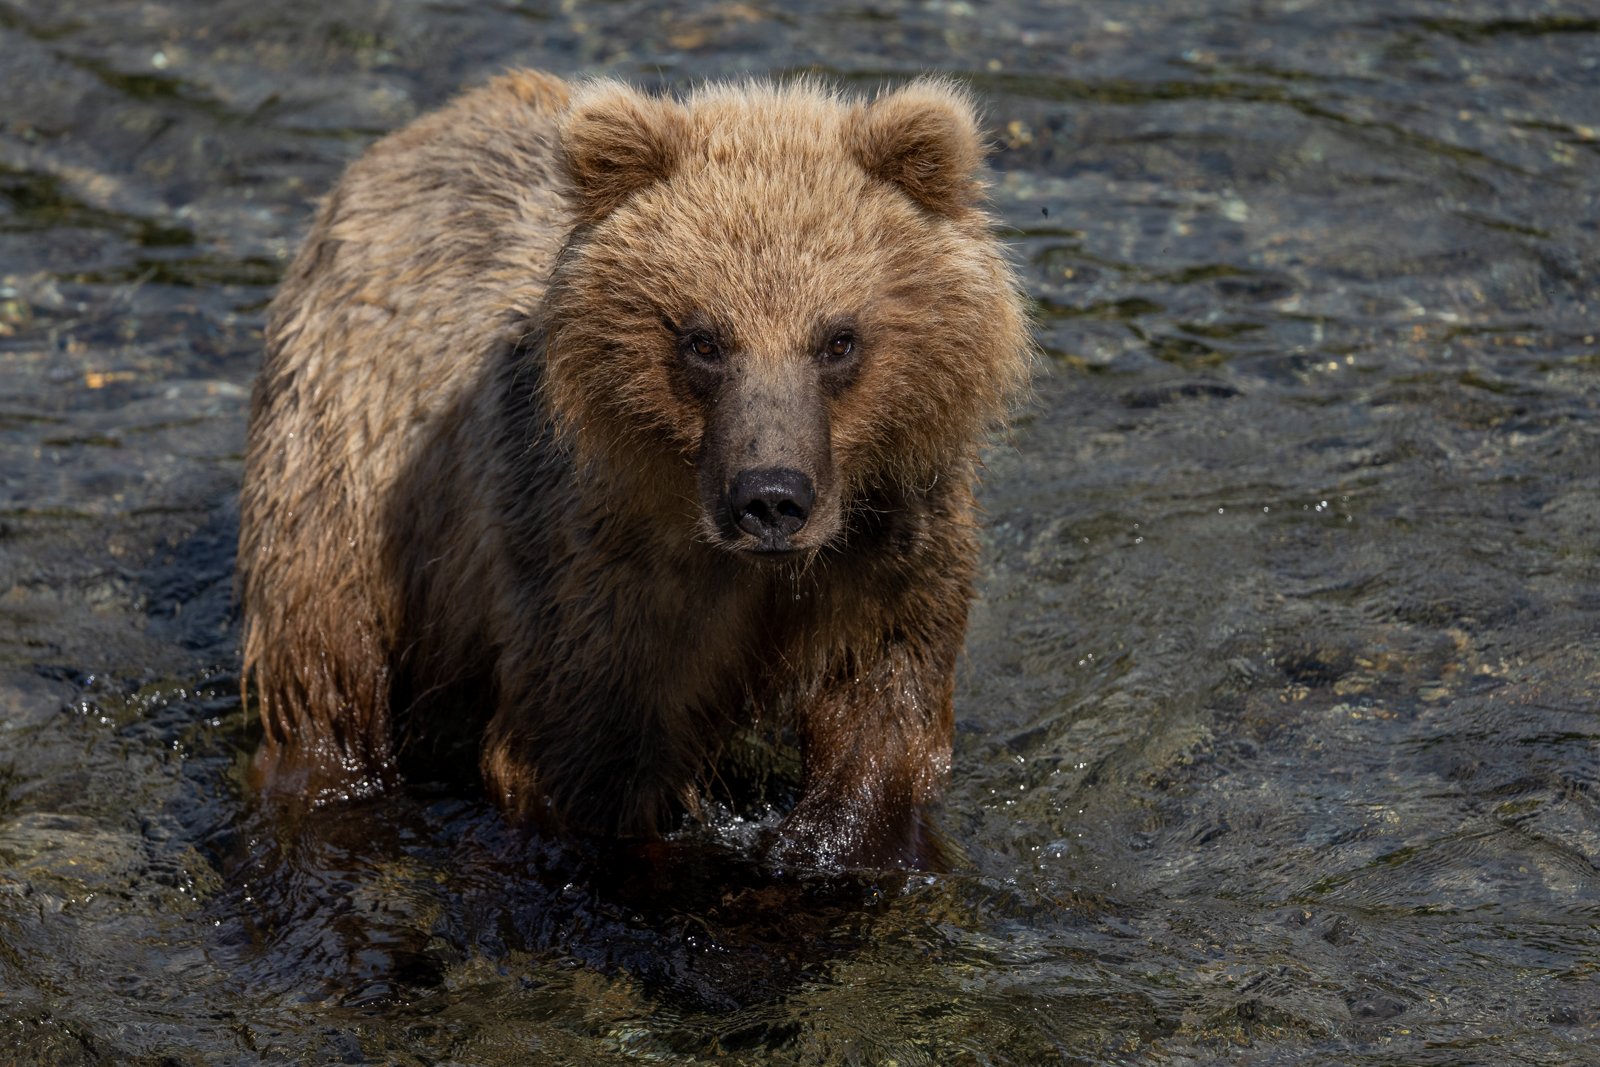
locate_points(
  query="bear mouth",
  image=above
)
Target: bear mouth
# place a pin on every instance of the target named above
(770, 546)
(773, 553)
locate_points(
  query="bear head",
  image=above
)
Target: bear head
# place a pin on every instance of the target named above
(777, 305)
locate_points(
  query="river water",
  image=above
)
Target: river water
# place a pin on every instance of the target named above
(1279, 724)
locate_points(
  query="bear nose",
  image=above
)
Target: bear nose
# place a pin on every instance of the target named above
(771, 503)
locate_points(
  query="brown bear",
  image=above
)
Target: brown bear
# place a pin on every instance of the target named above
(607, 425)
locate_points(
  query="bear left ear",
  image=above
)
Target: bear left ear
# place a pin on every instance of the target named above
(616, 141)
(924, 139)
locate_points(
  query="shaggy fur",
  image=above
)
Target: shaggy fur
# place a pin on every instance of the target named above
(489, 460)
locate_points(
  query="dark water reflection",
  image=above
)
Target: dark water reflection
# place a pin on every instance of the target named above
(1279, 733)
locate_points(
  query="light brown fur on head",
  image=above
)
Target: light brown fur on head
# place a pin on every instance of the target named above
(628, 420)
(745, 217)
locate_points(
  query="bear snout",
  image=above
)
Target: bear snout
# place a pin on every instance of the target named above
(771, 504)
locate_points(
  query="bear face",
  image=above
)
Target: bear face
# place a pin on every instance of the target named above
(776, 304)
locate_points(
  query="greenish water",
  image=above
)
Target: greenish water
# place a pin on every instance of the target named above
(1279, 725)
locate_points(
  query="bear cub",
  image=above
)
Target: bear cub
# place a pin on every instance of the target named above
(601, 426)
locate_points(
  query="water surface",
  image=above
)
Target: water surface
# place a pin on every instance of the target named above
(1278, 735)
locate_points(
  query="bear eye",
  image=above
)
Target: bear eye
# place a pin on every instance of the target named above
(704, 347)
(840, 345)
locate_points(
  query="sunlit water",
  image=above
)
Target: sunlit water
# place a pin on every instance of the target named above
(1280, 719)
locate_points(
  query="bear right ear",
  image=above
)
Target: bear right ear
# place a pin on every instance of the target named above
(616, 141)
(923, 138)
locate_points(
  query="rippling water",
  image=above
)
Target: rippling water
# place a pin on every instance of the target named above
(1279, 728)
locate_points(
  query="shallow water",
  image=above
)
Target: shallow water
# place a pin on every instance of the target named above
(1280, 720)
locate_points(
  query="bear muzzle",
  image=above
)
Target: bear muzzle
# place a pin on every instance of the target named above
(771, 504)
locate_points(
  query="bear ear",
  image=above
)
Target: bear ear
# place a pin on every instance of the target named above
(616, 141)
(924, 139)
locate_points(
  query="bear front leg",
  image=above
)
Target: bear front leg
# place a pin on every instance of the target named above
(875, 746)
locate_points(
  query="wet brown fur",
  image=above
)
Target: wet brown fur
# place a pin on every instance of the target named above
(481, 482)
